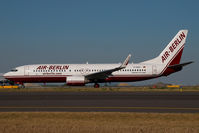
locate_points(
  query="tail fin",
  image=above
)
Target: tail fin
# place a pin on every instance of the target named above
(171, 55)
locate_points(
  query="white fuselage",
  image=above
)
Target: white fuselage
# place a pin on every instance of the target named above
(60, 72)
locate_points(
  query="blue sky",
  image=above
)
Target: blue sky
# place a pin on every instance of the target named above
(59, 31)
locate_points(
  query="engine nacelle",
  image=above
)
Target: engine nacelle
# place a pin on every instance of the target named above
(76, 80)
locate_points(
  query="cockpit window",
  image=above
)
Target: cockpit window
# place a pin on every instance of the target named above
(14, 70)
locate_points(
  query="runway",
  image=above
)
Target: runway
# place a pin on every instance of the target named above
(165, 102)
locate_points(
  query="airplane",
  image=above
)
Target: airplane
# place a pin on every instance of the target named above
(166, 63)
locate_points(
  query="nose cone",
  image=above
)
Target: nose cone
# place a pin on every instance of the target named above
(6, 74)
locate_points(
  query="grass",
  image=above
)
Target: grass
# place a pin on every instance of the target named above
(97, 122)
(102, 89)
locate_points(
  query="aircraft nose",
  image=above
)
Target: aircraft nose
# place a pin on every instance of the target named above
(6, 74)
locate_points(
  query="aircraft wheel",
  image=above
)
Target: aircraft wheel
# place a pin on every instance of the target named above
(96, 85)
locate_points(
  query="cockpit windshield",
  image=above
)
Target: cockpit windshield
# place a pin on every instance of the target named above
(14, 70)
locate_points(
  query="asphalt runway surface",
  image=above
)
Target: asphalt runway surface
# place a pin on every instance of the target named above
(164, 102)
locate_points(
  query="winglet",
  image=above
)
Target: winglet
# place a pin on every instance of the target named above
(125, 63)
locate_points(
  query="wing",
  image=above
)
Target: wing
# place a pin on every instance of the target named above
(104, 74)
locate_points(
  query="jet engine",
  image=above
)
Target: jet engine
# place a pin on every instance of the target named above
(76, 80)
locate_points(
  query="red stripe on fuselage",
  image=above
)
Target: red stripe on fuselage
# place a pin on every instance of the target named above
(36, 79)
(127, 79)
(42, 79)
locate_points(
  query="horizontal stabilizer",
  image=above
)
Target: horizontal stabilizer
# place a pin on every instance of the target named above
(180, 65)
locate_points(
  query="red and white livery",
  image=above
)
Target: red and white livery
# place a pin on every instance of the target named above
(80, 74)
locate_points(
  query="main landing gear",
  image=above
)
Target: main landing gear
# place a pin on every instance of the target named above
(96, 85)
